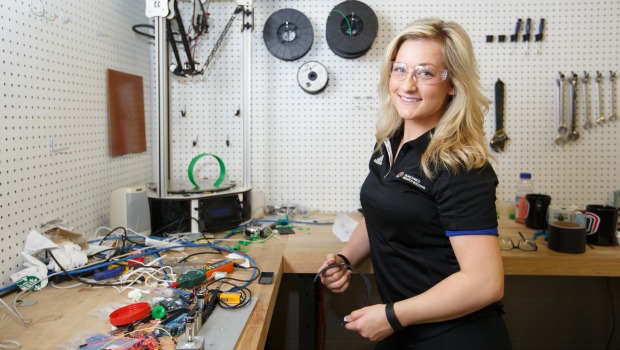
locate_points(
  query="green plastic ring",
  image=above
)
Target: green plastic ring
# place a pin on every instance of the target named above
(190, 170)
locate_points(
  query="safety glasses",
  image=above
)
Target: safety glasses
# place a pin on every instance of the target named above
(506, 243)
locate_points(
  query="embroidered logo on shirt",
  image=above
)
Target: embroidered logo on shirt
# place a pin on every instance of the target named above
(379, 160)
(412, 180)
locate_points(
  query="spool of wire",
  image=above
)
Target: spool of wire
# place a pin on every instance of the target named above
(312, 77)
(351, 29)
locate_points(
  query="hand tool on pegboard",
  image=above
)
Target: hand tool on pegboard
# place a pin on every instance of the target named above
(560, 138)
(612, 90)
(587, 123)
(498, 142)
(539, 37)
(573, 135)
(601, 118)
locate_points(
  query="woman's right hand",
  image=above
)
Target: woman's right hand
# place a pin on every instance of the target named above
(336, 278)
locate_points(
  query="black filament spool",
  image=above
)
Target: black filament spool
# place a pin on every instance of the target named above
(351, 29)
(288, 34)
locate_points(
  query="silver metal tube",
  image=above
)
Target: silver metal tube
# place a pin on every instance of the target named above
(247, 94)
(161, 43)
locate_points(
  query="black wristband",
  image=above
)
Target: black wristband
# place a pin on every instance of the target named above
(391, 317)
(346, 261)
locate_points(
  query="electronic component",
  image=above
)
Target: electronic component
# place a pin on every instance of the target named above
(196, 277)
(230, 298)
(284, 230)
(220, 266)
(255, 231)
(175, 324)
(189, 279)
(265, 278)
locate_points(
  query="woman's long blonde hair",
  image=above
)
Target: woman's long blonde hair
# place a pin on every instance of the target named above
(458, 140)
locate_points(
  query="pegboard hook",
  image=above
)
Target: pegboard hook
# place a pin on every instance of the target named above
(37, 12)
(55, 150)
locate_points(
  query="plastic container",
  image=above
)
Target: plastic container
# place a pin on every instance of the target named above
(523, 187)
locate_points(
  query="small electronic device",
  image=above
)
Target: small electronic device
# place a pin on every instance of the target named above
(223, 266)
(129, 208)
(256, 231)
(230, 298)
(265, 278)
(284, 230)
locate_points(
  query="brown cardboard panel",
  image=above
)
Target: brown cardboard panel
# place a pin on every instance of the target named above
(126, 113)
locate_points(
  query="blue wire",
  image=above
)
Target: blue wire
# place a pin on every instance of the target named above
(153, 252)
(230, 251)
(299, 222)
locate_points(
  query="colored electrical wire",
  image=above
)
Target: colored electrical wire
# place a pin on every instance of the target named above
(346, 19)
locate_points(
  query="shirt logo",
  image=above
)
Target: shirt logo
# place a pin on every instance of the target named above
(412, 180)
(379, 160)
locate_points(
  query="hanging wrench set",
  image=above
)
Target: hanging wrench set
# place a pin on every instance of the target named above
(570, 133)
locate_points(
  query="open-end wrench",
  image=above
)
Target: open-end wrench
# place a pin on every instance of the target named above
(574, 134)
(587, 124)
(612, 78)
(601, 118)
(560, 139)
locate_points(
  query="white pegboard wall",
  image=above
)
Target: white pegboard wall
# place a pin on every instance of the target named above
(54, 85)
(313, 150)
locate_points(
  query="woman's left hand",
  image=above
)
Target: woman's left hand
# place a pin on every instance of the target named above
(370, 322)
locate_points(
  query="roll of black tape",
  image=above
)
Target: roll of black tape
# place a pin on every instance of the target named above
(288, 34)
(567, 237)
(351, 28)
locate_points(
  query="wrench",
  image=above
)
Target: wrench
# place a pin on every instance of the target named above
(562, 129)
(612, 77)
(560, 139)
(587, 124)
(574, 134)
(601, 118)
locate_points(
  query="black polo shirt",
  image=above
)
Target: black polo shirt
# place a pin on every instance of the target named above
(410, 217)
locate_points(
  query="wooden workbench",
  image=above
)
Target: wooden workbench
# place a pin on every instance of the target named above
(305, 252)
(62, 314)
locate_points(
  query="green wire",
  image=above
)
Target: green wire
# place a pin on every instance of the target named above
(346, 19)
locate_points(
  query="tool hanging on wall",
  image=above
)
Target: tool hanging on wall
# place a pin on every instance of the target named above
(612, 90)
(560, 138)
(601, 117)
(498, 142)
(573, 135)
(351, 29)
(539, 37)
(587, 123)
(526, 36)
(288, 34)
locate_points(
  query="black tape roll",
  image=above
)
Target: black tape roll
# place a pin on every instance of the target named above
(351, 29)
(288, 34)
(567, 237)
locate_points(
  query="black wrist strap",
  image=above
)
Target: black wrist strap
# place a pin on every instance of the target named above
(346, 261)
(391, 317)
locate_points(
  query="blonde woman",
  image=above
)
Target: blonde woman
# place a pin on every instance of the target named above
(430, 225)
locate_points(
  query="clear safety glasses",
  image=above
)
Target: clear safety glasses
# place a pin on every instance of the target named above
(506, 243)
(425, 75)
